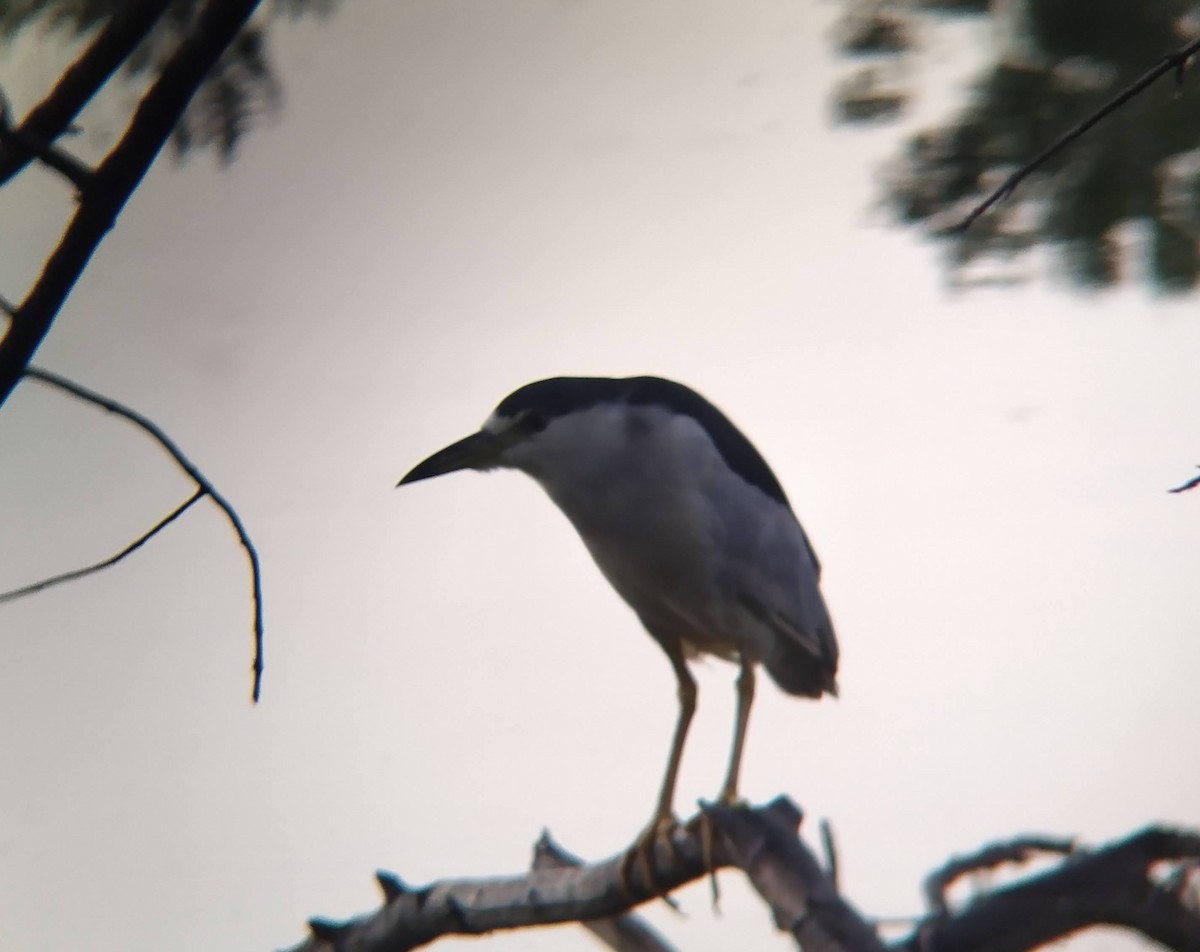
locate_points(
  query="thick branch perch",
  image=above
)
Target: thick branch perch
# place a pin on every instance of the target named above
(1113, 885)
(804, 901)
(414, 917)
(763, 841)
(625, 933)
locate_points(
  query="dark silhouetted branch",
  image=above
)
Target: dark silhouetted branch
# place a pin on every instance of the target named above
(23, 141)
(1107, 886)
(1020, 850)
(111, 560)
(129, 24)
(1173, 62)
(205, 487)
(115, 179)
(624, 933)
(1190, 484)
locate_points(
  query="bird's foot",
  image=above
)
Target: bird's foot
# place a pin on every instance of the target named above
(642, 853)
(707, 833)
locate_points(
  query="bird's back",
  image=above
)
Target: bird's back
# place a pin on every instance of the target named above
(687, 522)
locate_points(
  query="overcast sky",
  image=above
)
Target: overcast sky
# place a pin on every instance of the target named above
(460, 197)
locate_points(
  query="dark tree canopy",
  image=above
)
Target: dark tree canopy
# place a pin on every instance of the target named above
(1125, 193)
(240, 89)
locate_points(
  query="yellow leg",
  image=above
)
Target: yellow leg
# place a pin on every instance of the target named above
(745, 697)
(663, 822)
(729, 789)
(687, 707)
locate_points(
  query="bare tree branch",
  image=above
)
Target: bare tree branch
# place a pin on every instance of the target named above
(624, 933)
(758, 840)
(115, 179)
(1019, 850)
(1190, 484)
(111, 560)
(1113, 885)
(1173, 62)
(414, 917)
(205, 488)
(1109, 886)
(764, 844)
(130, 23)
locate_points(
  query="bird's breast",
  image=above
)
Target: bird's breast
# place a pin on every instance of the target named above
(681, 536)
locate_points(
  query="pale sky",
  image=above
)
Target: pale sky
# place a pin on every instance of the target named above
(463, 196)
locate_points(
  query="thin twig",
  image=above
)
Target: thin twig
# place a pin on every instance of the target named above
(202, 481)
(1190, 484)
(111, 560)
(1173, 62)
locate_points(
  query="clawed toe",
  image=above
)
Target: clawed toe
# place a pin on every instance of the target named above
(642, 855)
(703, 825)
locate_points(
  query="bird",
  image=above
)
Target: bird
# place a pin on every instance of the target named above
(686, 521)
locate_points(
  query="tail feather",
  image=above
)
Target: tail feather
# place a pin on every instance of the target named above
(797, 671)
(805, 658)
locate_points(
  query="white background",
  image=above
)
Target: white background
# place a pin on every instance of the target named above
(463, 196)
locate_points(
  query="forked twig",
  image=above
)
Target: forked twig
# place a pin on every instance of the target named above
(31, 144)
(1172, 62)
(104, 563)
(204, 488)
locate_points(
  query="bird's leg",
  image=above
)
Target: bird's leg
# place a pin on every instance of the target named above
(687, 707)
(745, 697)
(729, 789)
(664, 822)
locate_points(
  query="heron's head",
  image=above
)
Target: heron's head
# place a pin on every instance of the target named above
(488, 449)
(575, 434)
(514, 435)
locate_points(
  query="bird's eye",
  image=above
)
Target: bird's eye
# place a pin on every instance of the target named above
(533, 422)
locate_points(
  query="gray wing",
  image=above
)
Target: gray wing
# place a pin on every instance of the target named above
(780, 588)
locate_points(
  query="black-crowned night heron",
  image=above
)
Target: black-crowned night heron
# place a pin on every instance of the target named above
(686, 521)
